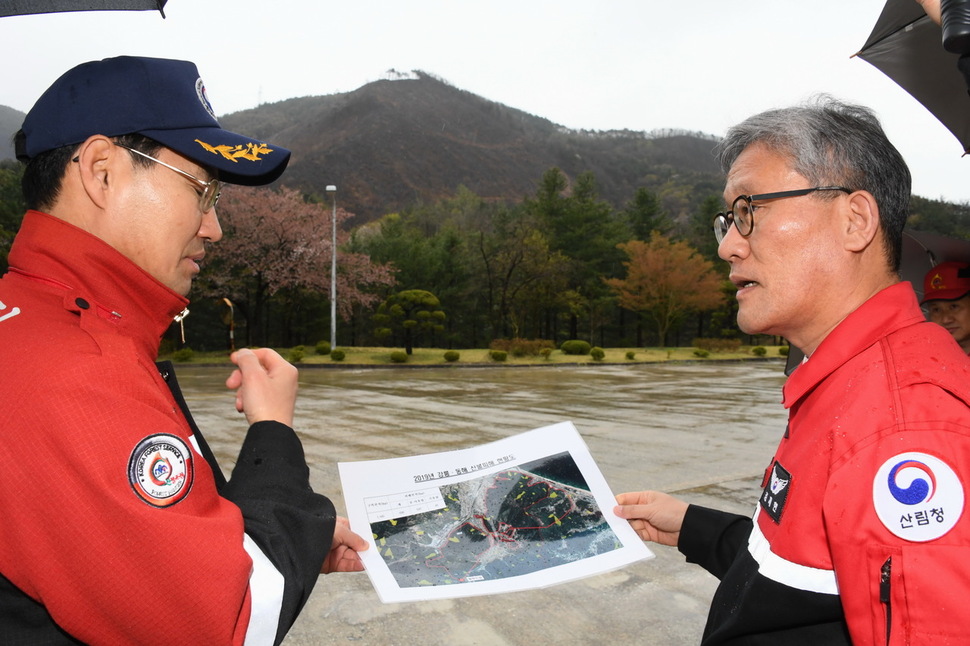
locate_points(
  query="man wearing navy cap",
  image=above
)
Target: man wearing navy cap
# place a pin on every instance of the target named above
(119, 527)
(946, 297)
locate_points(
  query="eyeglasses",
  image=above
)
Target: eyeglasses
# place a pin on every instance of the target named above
(742, 210)
(211, 190)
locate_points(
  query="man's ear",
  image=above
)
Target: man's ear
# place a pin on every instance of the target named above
(96, 160)
(860, 220)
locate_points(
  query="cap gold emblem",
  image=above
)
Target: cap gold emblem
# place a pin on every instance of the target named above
(249, 152)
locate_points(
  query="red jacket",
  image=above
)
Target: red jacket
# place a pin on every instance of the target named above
(861, 525)
(116, 528)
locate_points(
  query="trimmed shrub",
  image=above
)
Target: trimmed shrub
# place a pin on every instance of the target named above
(399, 356)
(718, 345)
(323, 347)
(337, 354)
(783, 350)
(597, 353)
(575, 347)
(631, 355)
(759, 351)
(452, 356)
(498, 355)
(183, 354)
(701, 353)
(546, 353)
(521, 347)
(296, 354)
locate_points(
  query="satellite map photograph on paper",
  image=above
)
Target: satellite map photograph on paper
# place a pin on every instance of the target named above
(525, 518)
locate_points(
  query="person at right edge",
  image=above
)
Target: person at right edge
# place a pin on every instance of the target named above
(946, 298)
(861, 533)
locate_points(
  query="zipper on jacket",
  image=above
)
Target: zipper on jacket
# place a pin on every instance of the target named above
(885, 593)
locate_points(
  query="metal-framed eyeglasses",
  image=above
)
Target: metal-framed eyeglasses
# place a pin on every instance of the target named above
(741, 214)
(211, 190)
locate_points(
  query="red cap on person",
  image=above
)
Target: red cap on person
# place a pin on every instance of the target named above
(946, 282)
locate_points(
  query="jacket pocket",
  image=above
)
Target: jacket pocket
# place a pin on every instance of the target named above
(927, 590)
(885, 567)
(886, 595)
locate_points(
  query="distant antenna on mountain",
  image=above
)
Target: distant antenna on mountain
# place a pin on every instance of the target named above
(393, 75)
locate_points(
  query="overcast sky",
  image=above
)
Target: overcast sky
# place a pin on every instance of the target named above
(698, 65)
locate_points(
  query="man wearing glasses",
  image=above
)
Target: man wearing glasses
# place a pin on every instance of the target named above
(860, 534)
(118, 524)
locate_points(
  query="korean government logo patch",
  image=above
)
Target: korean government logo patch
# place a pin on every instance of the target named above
(160, 470)
(917, 496)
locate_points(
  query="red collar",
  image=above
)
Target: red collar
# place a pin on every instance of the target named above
(889, 310)
(59, 255)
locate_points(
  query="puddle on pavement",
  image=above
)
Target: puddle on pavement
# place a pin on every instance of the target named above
(667, 425)
(705, 430)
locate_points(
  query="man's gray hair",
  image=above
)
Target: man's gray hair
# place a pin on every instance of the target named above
(831, 143)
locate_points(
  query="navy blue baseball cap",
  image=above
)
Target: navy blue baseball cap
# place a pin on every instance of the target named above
(162, 99)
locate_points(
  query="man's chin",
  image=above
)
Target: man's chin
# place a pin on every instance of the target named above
(182, 287)
(751, 326)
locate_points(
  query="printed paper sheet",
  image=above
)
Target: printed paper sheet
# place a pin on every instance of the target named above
(527, 511)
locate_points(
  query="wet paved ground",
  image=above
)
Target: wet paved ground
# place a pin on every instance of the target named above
(704, 431)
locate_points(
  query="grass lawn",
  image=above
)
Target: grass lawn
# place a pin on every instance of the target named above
(479, 356)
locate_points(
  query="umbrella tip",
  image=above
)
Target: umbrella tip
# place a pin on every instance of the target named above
(161, 7)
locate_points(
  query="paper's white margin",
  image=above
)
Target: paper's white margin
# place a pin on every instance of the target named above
(381, 477)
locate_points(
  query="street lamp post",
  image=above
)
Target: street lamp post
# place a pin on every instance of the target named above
(232, 325)
(333, 271)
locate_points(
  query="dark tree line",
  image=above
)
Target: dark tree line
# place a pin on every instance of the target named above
(556, 265)
(536, 269)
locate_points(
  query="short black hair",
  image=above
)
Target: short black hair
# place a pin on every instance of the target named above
(44, 173)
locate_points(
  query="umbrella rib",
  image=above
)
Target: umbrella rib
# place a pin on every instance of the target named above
(929, 252)
(908, 25)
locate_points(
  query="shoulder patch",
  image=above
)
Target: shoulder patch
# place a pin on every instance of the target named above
(160, 470)
(917, 496)
(775, 493)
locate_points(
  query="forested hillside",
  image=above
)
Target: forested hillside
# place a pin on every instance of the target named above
(391, 144)
(499, 223)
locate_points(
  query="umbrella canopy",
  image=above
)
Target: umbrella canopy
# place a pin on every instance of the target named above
(20, 7)
(908, 48)
(921, 252)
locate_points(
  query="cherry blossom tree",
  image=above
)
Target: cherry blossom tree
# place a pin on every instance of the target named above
(276, 243)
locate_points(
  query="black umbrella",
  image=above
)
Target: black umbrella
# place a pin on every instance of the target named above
(19, 7)
(908, 48)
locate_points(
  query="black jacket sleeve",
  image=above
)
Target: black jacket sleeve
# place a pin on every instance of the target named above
(712, 538)
(291, 524)
(270, 484)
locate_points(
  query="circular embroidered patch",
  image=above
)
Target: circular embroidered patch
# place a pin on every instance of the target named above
(204, 97)
(917, 496)
(160, 470)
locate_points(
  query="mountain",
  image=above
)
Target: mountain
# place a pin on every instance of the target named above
(392, 143)
(10, 122)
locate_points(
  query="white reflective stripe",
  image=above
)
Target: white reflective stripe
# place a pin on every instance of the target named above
(266, 590)
(794, 575)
